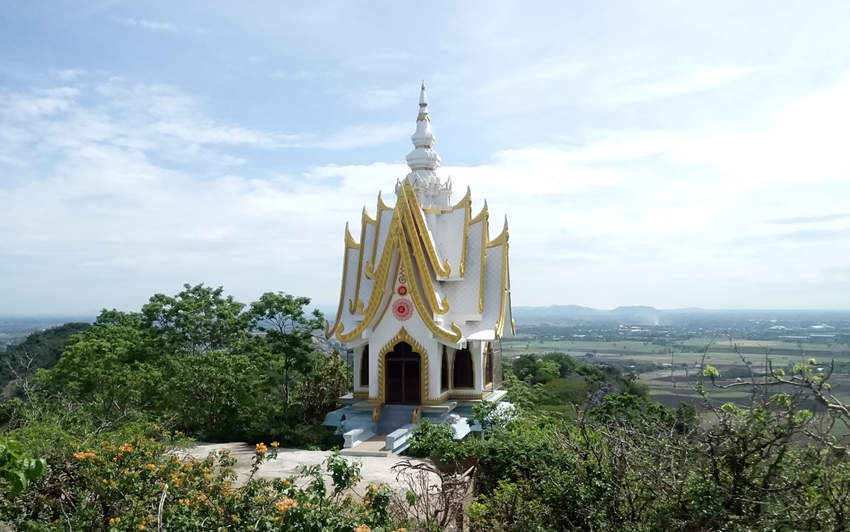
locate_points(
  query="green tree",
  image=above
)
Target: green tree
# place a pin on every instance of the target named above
(41, 349)
(525, 367)
(547, 370)
(319, 391)
(109, 367)
(287, 334)
(198, 320)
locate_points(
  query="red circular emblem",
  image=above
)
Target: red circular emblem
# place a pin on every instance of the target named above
(402, 290)
(402, 309)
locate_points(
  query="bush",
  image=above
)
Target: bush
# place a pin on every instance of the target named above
(573, 390)
(131, 481)
(429, 440)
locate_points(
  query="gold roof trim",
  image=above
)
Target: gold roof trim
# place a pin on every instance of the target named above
(396, 242)
(444, 269)
(413, 237)
(500, 325)
(465, 203)
(382, 208)
(350, 243)
(484, 215)
(483, 218)
(389, 299)
(378, 289)
(502, 238)
(355, 305)
(455, 334)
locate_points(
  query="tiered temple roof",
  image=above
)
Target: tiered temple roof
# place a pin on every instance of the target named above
(457, 276)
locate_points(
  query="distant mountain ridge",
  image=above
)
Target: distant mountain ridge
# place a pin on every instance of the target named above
(646, 315)
(638, 314)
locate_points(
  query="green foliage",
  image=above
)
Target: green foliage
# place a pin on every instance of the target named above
(510, 507)
(288, 334)
(525, 367)
(17, 468)
(108, 367)
(643, 412)
(40, 350)
(429, 440)
(514, 453)
(344, 475)
(573, 390)
(208, 365)
(547, 370)
(135, 479)
(567, 365)
(198, 320)
(635, 465)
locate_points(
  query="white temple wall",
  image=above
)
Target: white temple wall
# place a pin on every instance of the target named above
(386, 331)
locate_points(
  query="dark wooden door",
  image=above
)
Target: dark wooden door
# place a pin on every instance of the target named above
(402, 376)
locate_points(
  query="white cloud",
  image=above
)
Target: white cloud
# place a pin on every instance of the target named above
(161, 27)
(624, 216)
(362, 136)
(69, 74)
(375, 99)
(634, 89)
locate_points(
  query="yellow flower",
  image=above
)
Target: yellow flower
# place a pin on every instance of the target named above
(261, 448)
(362, 528)
(275, 444)
(126, 448)
(142, 527)
(234, 518)
(88, 455)
(286, 504)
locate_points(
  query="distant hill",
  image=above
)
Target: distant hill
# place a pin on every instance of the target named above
(635, 315)
(648, 316)
(40, 349)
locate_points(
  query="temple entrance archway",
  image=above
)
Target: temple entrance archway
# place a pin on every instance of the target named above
(403, 376)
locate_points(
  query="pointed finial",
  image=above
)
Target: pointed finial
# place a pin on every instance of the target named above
(423, 160)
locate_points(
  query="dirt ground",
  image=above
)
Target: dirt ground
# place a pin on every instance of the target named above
(375, 470)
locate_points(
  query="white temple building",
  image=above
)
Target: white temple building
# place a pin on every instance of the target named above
(424, 303)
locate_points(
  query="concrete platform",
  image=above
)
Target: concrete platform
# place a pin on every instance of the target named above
(375, 469)
(374, 446)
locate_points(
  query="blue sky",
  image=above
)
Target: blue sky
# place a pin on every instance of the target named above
(658, 153)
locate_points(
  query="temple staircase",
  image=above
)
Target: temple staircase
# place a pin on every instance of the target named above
(388, 433)
(393, 417)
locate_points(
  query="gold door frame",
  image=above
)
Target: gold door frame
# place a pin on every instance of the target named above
(424, 369)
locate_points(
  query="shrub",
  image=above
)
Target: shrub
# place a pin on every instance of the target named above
(131, 482)
(429, 440)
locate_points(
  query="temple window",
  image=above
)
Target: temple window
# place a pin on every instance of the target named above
(463, 375)
(488, 364)
(364, 366)
(444, 371)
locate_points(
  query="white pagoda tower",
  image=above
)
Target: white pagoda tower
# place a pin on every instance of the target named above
(425, 300)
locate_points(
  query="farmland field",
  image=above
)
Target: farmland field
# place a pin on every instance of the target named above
(675, 382)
